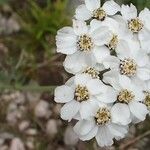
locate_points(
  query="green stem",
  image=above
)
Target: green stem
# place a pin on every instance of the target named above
(35, 88)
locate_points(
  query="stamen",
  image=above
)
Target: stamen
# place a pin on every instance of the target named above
(81, 93)
(125, 96)
(85, 43)
(147, 99)
(103, 116)
(99, 14)
(135, 25)
(128, 67)
(92, 72)
(113, 42)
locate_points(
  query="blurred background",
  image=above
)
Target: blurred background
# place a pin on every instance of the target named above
(29, 71)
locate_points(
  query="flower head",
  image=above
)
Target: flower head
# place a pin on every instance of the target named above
(101, 127)
(79, 96)
(93, 9)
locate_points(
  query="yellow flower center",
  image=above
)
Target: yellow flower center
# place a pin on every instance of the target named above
(103, 116)
(135, 25)
(125, 96)
(99, 14)
(113, 42)
(81, 93)
(147, 100)
(85, 43)
(128, 67)
(92, 72)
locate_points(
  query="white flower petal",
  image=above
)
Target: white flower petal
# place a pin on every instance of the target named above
(88, 108)
(95, 24)
(109, 97)
(69, 110)
(63, 94)
(75, 63)
(120, 114)
(123, 50)
(83, 127)
(101, 36)
(92, 4)
(112, 77)
(138, 92)
(82, 13)
(112, 24)
(143, 73)
(95, 86)
(141, 59)
(144, 35)
(111, 7)
(129, 12)
(145, 17)
(101, 53)
(125, 82)
(111, 62)
(66, 41)
(80, 27)
(82, 79)
(90, 135)
(70, 82)
(104, 137)
(138, 110)
(117, 130)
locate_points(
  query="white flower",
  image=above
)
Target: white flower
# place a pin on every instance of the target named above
(128, 99)
(80, 43)
(130, 61)
(93, 9)
(101, 127)
(138, 24)
(79, 94)
(118, 34)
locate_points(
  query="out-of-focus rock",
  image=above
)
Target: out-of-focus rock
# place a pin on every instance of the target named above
(13, 117)
(6, 135)
(33, 97)
(24, 125)
(42, 109)
(4, 147)
(31, 132)
(52, 127)
(17, 144)
(1, 141)
(70, 138)
(30, 143)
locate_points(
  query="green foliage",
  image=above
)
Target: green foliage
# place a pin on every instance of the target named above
(35, 41)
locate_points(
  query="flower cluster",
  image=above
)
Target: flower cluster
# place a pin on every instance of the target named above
(108, 52)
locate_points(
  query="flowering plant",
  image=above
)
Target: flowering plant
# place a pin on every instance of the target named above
(107, 51)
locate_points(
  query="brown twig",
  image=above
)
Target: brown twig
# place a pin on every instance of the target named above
(125, 146)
